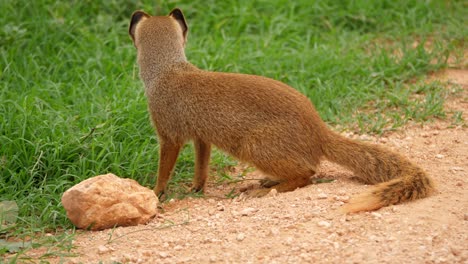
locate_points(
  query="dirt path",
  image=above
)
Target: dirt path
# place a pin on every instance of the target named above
(303, 226)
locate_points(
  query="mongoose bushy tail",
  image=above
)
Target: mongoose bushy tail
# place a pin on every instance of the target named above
(396, 178)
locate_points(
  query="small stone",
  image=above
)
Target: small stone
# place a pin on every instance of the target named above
(455, 251)
(274, 231)
(220, 207)
(324, 224)
(439, 156)
(343, 198)
(248, 211)
(457, 169)
(240, 237)
(376, 215)
(465, 217)
(272, 193)
(322, 196)
(178, 247)
(163, 254)
(425, 134)
(342, 192)
(103, 249)
(129, 258)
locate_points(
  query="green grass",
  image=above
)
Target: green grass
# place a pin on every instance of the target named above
(72, 105)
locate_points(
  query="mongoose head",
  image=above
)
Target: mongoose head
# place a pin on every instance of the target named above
(159, 38)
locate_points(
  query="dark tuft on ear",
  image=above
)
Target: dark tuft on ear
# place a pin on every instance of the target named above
(177, 14)
(136, 17)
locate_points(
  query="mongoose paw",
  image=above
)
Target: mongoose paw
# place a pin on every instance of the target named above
(196, 189)
(258, 193)
(267, 183)
(161, 195)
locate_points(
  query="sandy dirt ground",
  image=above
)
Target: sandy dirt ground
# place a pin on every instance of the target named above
(304, 226)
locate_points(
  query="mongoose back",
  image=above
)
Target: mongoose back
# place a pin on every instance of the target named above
(258, 120)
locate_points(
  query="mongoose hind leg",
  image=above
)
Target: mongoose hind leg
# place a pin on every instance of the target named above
(202, 153)
(286, 185)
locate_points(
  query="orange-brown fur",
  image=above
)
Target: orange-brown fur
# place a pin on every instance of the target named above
(255, 119)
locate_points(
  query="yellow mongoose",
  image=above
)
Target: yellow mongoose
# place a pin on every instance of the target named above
(255, 119)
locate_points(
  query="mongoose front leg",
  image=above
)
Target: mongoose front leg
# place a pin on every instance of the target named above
(202, 153)
(168, 152)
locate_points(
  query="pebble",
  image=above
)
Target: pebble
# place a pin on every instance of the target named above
(272, 193)
(324, 224)
(274, 231)
(220, 207)
(457, 169)
(248, 211)
(178, 247)
(322, 196)
(376, 215)
(103, 249)
(425, 134)
(163, 254)
(240, 237)
(343, 198)
(439, 156)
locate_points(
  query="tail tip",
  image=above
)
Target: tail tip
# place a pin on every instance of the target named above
(363, 202)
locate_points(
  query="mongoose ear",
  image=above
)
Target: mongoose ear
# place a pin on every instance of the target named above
(177, 14)
(137, 16)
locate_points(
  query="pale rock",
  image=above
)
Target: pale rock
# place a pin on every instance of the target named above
(324, 224)
(178, 247)
(220, 206)
(272, 193)
(240, 237)
(439, 156)
(248, 211)
(106, 201)
(103, 249)
(163, 254)
(457, 169)
(376, 215)
(289, 241)
(322, 196)
(274, 231)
